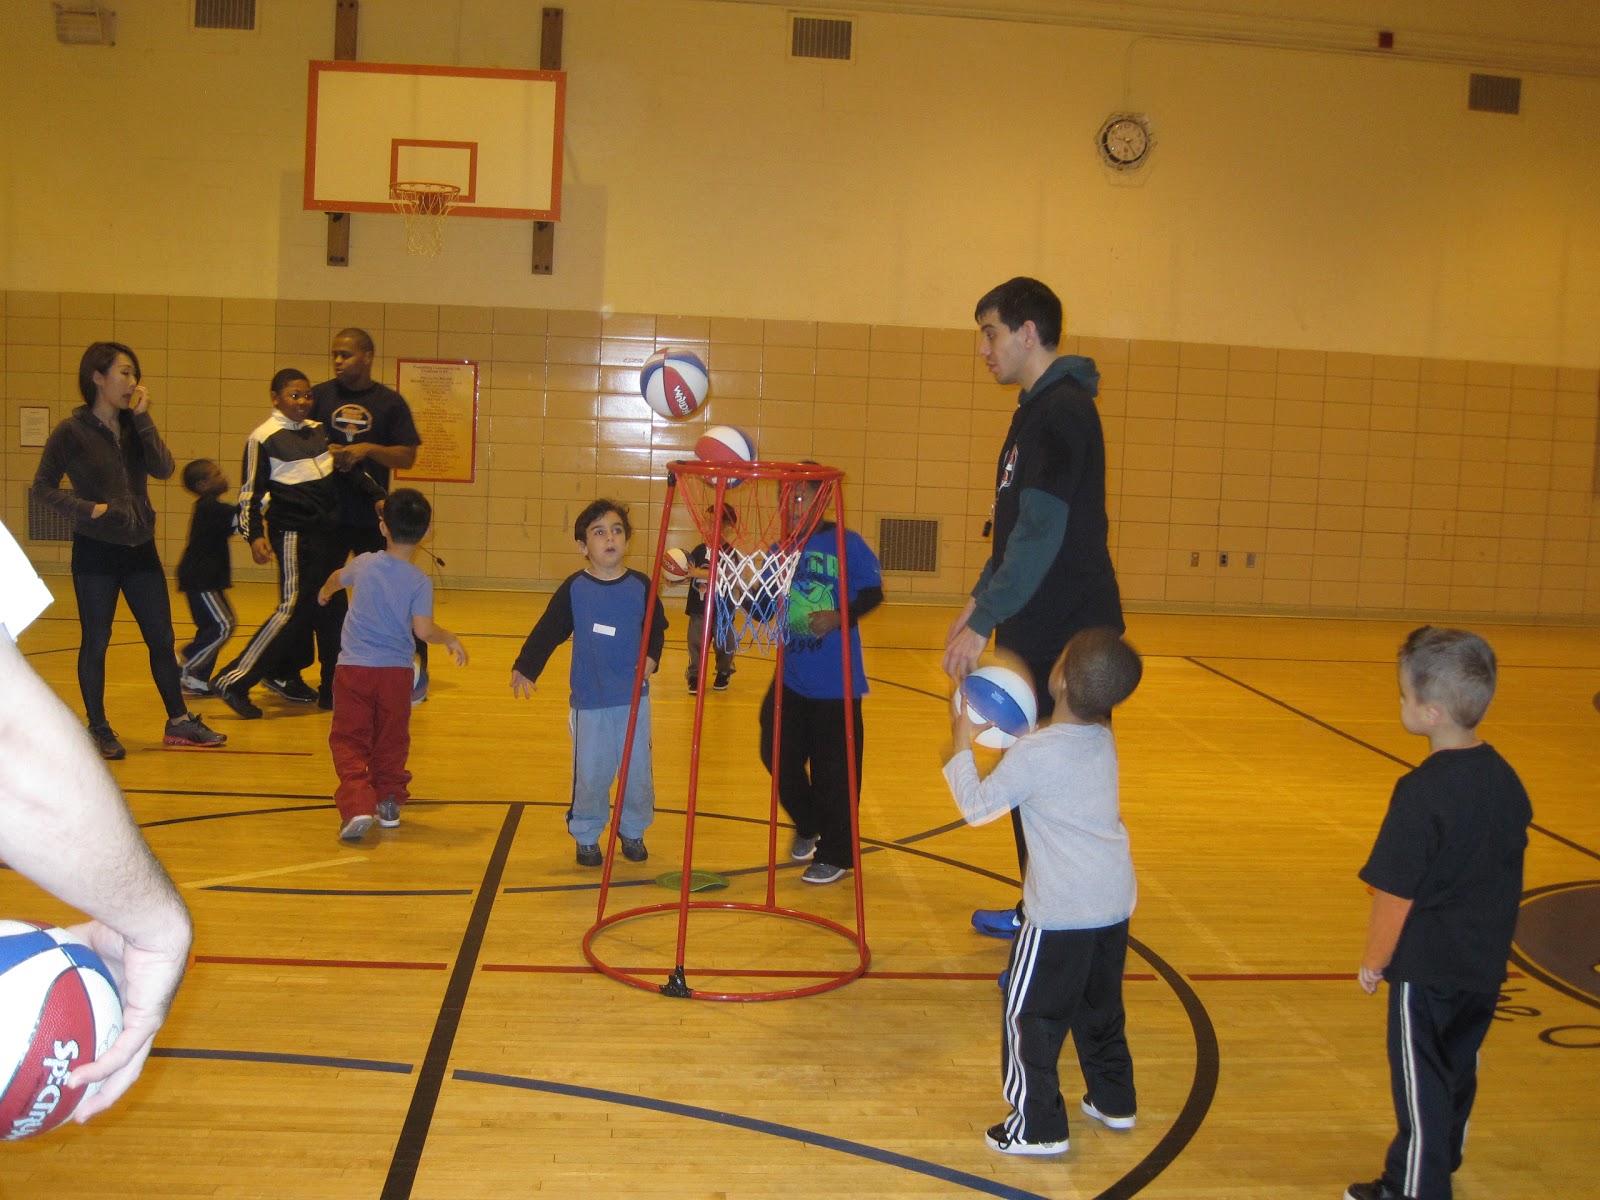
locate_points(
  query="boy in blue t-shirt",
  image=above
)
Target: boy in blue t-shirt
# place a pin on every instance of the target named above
(813, 775)
(602, 609)
(392, 602)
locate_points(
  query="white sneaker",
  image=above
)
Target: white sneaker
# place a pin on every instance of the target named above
(1108, 1122)
(355, 828)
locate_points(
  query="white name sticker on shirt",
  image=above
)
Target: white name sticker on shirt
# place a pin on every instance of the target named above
(605, 630)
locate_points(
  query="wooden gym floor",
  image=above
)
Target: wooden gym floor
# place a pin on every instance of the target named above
(415, 1016)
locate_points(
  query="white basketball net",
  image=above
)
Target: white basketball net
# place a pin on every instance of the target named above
(425, 207)
(755, 586)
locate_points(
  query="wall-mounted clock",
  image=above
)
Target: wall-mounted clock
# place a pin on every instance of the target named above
(1125, 141)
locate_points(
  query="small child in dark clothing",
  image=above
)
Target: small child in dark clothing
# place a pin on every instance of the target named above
(205, 574)
(1446, 880)
(698, 608)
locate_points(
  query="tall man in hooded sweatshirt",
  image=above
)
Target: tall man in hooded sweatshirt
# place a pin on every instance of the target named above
(1049, 572)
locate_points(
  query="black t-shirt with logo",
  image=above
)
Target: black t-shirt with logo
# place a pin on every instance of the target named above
(379, 415)
(1452, 843)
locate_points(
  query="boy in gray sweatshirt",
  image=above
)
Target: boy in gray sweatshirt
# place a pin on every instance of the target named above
(1065, 974)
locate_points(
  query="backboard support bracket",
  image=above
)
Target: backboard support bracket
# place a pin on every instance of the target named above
(544, 232)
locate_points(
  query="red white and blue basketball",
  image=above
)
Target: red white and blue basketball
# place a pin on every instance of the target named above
(675, 565)
(725, 444)
(59, 1009)
(674, 383)
(1004, 699)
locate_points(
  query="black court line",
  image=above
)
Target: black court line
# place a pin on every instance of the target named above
(407, 1157)
(919, 1166)
(298, 1060)
(1350, 737)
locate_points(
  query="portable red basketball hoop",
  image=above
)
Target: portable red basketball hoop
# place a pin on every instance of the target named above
(779, 506)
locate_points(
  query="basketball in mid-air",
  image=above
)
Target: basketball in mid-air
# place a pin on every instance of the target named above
(1003, 698)
(674, 383)
(675, 565)
(59, 1009)
(725, 444)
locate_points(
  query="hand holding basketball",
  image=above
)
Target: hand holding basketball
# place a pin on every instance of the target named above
(147, 976)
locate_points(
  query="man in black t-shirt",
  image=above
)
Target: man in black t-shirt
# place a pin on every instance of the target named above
(1446, 880)
(1049, 573)
(370, 431)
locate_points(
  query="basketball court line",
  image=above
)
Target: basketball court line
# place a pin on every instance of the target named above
(315, 866)
(228, 960)
(299, 1060)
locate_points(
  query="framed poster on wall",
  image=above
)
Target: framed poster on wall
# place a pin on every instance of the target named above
(443, 395)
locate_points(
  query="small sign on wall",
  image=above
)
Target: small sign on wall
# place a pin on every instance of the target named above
(443, 395)
(33, 426)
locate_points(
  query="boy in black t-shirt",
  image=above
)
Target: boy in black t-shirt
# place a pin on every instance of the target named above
(205, 573)
(1446, 880)
(698, 609)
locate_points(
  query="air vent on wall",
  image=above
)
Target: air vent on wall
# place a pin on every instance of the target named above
(224, 14)
(1495, 93)
(908, 544)
(820, 37)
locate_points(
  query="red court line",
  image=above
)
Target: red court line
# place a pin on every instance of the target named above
(229, 960)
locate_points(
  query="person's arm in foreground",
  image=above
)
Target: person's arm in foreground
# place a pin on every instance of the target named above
(65, 826)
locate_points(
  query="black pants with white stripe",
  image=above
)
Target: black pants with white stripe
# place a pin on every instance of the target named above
(1064, 981)
(214, 624)
(305, 560)
(1434, 1036)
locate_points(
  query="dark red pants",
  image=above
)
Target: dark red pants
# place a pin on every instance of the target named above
(371, 737)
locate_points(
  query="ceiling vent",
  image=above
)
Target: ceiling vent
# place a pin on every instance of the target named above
(820, 37)
(224, 14)
(1495, 93)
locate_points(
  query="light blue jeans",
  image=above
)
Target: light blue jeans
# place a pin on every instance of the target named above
(597, 738)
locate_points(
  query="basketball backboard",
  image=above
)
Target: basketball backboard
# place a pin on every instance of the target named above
(495, 134)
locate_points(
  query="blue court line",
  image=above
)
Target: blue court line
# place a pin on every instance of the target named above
(299, 1060)
(976, 1183)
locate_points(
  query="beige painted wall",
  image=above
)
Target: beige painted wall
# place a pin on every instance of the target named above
(1345, 325)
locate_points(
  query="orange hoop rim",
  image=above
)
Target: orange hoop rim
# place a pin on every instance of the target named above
(426, 199)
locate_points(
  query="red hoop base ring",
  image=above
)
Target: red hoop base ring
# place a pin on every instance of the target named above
(676, 985)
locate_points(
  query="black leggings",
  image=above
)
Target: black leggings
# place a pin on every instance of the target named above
(100, 572)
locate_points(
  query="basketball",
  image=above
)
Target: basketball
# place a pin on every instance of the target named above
(724, 444)
(59, 1008)
(675, 565)
(674, 383)
(1004, 699)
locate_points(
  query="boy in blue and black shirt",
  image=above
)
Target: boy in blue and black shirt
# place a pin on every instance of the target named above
(602, 609)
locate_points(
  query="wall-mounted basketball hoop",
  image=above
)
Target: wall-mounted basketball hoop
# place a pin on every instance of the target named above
(425, 207)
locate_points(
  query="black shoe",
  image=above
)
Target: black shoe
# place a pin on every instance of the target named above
(105, 741)
(720, 683)
(590, 856)
(236, 700)
(633, 849)
(694, 686)
(190, 730)
(1376, 1190)
(325, 698)
(292, 688)
(998, 1139)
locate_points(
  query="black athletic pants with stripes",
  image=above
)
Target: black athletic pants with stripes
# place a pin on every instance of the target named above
(1064, 981)
(305, 560)
(1434, 1036)
(214, 623)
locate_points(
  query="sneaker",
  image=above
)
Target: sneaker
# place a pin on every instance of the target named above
(694, 686)
(355, 828)
(633, 849)
(419, 690)
(325, 699)
(720, 683)
(998, 1139)
(194, 687)
(802, 848)
(236, 700)
(190, 730)
(1005, 979)
(996, 922)
(389, 813)
(292, 688)
(1376, 1190)
(106, 742)
(821, 872)
(589, 856)
(1109, 1122)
